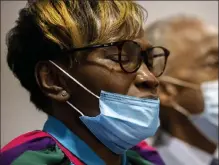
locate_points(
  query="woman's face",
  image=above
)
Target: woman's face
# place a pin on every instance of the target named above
(97, 73)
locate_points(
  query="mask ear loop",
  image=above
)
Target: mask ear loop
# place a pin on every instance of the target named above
(176, 81)
(71, 105)
(180, 109)
(76, 81)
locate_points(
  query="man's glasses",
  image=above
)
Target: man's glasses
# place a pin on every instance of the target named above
(130, 56)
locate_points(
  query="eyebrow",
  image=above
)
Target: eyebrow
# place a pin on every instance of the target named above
(213, 50)
(210, 51)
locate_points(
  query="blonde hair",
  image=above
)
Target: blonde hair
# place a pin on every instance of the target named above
(74, 23)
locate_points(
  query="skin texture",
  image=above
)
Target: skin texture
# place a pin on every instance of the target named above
(194, 58)
(96, 73)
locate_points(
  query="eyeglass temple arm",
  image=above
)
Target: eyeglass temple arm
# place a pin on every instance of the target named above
(86, 48)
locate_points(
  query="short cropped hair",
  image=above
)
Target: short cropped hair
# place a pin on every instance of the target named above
(46, 27)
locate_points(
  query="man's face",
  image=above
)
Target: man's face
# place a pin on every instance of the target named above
(97, 73)
(196, 62)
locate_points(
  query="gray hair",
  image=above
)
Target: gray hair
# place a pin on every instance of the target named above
(160, 31)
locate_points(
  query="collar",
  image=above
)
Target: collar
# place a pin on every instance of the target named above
(72, 142)
(181, 151)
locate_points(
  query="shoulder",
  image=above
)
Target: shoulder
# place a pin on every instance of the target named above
(144, 153)
(34, 152)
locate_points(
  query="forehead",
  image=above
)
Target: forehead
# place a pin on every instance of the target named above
(207, 41)
(191, 44)
(209, 37)
(210, 43)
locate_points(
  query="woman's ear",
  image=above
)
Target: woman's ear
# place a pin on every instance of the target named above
(48, 80)
(167, 93)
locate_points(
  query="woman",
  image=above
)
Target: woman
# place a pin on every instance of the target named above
(88, 67)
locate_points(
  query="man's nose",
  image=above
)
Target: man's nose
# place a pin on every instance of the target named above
(145, 79)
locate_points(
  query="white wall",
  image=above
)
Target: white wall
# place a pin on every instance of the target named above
(206, 10)
(18, 115)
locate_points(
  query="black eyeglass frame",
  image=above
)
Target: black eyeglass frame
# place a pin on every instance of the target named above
(119, 45)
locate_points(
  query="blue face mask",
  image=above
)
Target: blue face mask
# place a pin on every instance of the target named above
(123, 122)
(207, 121)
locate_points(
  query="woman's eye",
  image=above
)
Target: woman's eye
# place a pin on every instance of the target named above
(212, 64)
(114, 58)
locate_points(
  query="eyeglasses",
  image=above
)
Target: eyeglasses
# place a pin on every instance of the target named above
(130, 56)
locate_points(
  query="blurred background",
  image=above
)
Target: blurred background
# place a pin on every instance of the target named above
(18, 115)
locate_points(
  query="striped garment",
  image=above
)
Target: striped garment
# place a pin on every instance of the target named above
(41, 148)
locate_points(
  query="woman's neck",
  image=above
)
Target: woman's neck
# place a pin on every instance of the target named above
(72, 121)
(101, 150)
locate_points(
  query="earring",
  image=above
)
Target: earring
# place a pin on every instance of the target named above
(64, 93)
